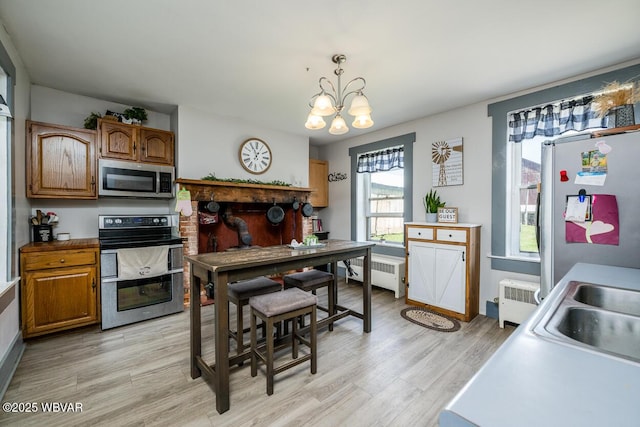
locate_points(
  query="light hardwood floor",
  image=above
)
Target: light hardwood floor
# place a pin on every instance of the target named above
(400, 374)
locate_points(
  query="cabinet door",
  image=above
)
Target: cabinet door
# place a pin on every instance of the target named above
(437, 275)
(156, 146)
(420, 269)
(450, 284)
(118, 141)
(61, 162)
(318, 173)
(59, 299)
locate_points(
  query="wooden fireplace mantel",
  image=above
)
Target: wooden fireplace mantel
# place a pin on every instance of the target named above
(222, 191)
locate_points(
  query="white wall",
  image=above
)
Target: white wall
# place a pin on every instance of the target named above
(473, 198)
(210, 144)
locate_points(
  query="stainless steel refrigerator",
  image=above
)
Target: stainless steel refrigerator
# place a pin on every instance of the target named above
(562, 161)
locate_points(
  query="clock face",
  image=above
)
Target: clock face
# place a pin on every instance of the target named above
(255, 156)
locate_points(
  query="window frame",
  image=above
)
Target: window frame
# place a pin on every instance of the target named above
(406, 141)
(367, 199)
(500, 258)
(8, 252)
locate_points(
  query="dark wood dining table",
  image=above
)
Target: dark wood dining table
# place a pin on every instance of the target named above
(222, 268)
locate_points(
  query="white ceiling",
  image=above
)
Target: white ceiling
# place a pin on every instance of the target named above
(261, 60)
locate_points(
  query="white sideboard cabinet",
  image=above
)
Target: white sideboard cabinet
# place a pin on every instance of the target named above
(443, 268)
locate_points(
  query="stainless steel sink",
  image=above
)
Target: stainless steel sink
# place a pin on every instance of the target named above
(612, 332)
(612, 299)
(596, 318)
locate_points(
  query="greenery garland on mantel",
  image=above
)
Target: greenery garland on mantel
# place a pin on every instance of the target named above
(212, 177)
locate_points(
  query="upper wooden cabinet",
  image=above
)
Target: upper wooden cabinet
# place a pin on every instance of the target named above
(61, 162)
(135, 143)
(318, 181)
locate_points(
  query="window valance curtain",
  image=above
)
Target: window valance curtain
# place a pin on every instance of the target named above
(383, 160)
(554, 119)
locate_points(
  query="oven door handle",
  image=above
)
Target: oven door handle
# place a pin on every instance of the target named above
(117, 279)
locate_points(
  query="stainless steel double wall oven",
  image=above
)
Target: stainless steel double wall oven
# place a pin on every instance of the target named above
(140, 268)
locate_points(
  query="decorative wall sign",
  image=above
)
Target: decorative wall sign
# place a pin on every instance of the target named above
(449, 215)
(337, 176)
(446, 162)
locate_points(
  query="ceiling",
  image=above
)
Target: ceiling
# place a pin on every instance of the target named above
(261, 60)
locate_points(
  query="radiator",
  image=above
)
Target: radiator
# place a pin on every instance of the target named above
(386, 272)
(516, 300)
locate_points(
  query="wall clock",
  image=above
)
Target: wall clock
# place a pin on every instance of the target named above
(255, 156)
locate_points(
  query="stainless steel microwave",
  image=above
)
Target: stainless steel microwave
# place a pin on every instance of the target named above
(118, 178)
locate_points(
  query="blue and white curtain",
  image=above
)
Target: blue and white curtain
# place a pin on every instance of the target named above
(554, 119)
(384, 160)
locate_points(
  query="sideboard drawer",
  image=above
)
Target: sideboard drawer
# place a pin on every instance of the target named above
(420, 233)
(451, 235)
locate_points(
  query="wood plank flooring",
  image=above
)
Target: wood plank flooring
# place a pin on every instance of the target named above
(400, 374)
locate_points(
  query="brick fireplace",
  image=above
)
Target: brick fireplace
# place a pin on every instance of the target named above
(205, 231)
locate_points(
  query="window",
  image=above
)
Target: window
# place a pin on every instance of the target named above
(5, 188)
(505, 254)
(384, 197)
(381, 201)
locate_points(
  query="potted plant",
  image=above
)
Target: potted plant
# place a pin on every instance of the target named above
(431, 204)
(136, 114)
(91, 122)
(616, 100)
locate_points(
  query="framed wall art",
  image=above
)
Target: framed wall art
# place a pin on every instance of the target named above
(446, 163)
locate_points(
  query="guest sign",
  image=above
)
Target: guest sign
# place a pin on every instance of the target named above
(449, 215)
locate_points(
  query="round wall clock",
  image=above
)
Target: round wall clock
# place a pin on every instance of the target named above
(255, 156)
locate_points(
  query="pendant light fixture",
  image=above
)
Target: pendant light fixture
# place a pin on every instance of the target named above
(330, 102)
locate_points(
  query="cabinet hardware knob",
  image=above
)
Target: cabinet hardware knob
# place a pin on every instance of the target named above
(134, 148)
(93, 284)
(62, 261)
(450, 235)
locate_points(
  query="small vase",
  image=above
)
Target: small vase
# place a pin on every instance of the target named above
(432, 217)
(623, 116)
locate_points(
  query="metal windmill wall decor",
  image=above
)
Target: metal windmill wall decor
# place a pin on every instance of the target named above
(446, 162)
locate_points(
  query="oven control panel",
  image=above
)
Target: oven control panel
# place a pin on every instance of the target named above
(133, 221)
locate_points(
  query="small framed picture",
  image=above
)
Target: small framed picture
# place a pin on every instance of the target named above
(449, 215)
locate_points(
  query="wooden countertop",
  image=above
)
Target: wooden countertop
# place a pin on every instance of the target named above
(58, 245)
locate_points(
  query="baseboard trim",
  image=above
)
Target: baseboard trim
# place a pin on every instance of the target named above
(10, 362)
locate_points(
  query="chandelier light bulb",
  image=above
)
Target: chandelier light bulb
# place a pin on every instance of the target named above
(362, 122)
(338, 126)
(360, 105)
(323, 106)
(314, 122)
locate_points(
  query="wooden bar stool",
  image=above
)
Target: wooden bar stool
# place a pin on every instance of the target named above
(310, 281)
(239, 294)
(274, 308)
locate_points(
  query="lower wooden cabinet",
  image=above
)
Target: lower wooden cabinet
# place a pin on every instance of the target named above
(443, 268)
(60, 286)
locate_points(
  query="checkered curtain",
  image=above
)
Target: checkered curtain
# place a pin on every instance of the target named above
(384, 160)
(554, 119)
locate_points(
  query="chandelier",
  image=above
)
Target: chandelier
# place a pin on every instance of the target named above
(330, 102)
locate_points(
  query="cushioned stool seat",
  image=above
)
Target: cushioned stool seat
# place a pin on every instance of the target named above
(239, 294)
(274, 308)
(310, 281)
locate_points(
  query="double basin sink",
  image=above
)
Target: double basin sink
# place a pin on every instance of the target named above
(597, 318)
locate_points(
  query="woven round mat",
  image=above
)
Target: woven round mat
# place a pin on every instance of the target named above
(427, 318)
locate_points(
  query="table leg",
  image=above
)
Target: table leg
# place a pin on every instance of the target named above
(221, 342)
(195, 328)
(366, 291)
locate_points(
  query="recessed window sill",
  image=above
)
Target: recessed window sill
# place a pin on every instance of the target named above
(515, 258)
(6, 286)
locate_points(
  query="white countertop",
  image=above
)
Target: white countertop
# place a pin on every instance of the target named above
(444, 224)
(532, 381)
